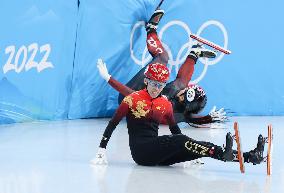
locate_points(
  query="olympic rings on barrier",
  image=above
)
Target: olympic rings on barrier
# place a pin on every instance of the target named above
(179, 58)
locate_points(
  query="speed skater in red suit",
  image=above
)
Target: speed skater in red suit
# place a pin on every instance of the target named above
(144, 110)
(187, 100)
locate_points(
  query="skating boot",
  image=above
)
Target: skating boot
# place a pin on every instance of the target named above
(198, 51)
(229, 154)
(256, 156)
(153, 22)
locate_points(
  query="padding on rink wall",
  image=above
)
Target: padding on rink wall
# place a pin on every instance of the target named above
(49, 50)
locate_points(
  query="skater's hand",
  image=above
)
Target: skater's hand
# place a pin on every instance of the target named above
(218, 115)
(101, 158)
(103, 70)
(197, 161)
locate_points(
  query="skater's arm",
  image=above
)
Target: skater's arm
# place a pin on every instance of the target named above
(197, 119)
(174, 128)
(212, 117)
(119, 114)
(121, 88)
(101, 158)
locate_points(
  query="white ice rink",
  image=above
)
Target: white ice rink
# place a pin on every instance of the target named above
(53, 157)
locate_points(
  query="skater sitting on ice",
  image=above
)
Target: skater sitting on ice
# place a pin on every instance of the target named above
(144, 111)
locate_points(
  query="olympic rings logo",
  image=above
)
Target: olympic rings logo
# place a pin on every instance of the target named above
(175, 63)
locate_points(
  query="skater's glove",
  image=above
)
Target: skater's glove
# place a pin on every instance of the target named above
(218, 115)
(101, 158)
(197, 161)
(103, 70)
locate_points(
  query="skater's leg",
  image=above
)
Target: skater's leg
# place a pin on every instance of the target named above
(155, 48)
(164, 150)
(159, 55)
(187, 68)
(171, 149)
(185, 71)
(153, 42)
(178, 157)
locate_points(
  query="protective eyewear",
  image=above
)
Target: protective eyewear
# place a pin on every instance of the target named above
(156, 84)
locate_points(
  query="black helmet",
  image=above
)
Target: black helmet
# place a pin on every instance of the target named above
(195, 99)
